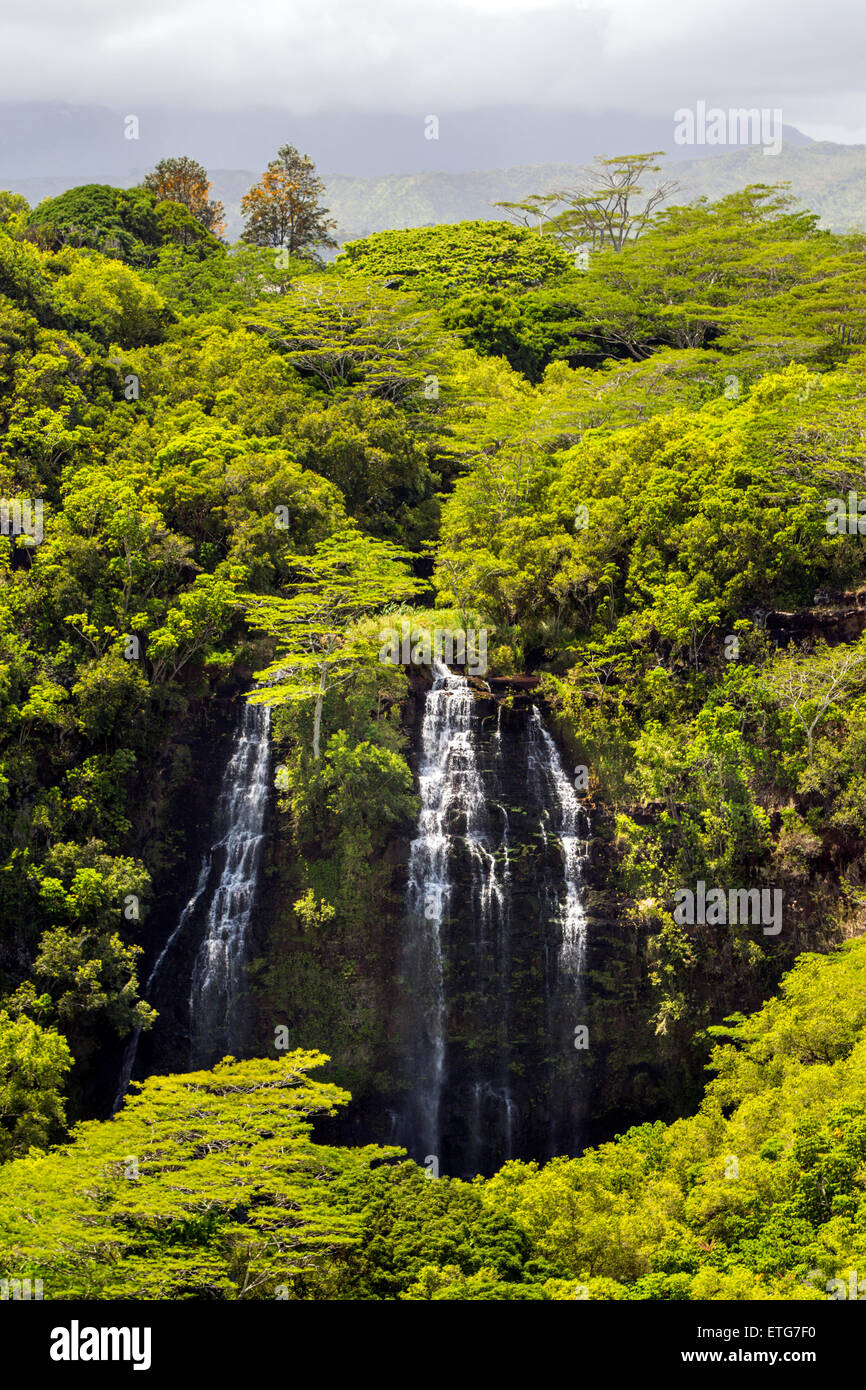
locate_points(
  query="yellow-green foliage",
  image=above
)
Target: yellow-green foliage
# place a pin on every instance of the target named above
(765, 1185)
(205, 1185)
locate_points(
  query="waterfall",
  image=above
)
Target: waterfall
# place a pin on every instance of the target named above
(214, 1002)
(215, 997)
(564, 821)
(131, 1052)
(446, 752)
(565, 818)
(495, 933)
(453, 816)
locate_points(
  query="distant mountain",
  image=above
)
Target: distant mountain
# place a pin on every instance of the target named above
(828, 179)
(88, 143)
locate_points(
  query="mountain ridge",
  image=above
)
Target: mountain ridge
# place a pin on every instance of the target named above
(827, 178)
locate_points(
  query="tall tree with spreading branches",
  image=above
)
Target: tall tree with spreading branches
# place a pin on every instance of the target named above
(348, 576)
(284, 209)
(810, 684)
(604, 210)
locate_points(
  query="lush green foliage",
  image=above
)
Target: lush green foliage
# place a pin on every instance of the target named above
(33, 1065)
(129, 223)
(471, 256)
(184, 467)
(208, 1185)
(624, 471)
(759, 1195)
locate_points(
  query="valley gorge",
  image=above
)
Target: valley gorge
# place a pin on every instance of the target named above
(497, 1004)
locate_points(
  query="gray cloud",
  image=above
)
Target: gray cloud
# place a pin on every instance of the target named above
(642, 56)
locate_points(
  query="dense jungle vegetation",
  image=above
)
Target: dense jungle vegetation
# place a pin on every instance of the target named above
(626, 470)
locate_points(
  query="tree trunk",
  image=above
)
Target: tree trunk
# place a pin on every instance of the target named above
(317, 717)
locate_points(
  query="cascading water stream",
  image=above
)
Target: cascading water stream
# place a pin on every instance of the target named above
(564, 817)
(131, 1052)
(214, 998)
(446, 754)
(492, 907)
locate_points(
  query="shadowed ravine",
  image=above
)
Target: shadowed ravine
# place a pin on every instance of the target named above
(226, 893)
(493, 951)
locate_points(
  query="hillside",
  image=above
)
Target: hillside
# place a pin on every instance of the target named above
(829, 179)
(446, 666)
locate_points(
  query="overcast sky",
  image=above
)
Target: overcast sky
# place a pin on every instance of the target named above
(643, 56)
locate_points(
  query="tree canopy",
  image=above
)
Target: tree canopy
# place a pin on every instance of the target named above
(225, 469)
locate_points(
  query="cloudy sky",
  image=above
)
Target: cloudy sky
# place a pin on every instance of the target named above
(307, 56)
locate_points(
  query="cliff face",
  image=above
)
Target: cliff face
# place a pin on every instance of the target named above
(174, 836)
(833, 618)
(519, 1078)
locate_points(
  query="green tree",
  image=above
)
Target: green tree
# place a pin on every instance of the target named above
(347, 333)
(348, 576)
(14, 209)
(204, 1186)
(118, 222)
(109, 300)
(33, 1066)
(440, 262)
(809, 685)
(606, 209)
